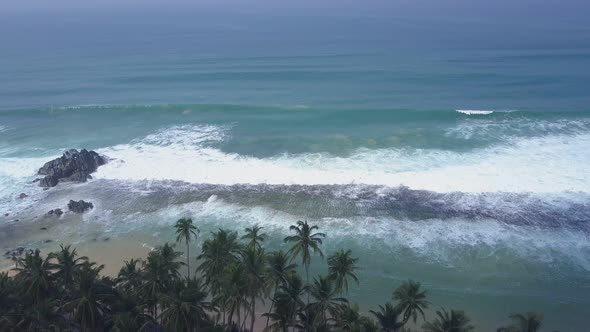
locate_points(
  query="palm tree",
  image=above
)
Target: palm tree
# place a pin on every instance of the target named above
(128, 314)
(326, 301)
(254, 236)
(169, 257)
(8, 301)
(292, 289)
(411, 300)
(130, 276)
(341, 266)
(348, 318)
(35, 275)
(89, 298)
(282, 315)
(254, 261)
(278, 269)
(160, 270)
(529, 322)
(185, 306)
(453, 321)
(41, 316)
(235, 292)
(67, 264)
(304, 241)
(185, 230)
(388, 318)
(217, 254)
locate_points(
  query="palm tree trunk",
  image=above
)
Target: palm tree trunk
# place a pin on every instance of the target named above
(188, 263)
(243, 326)
(253, 313)
(239, 317)
(272, 303)
(307, 306)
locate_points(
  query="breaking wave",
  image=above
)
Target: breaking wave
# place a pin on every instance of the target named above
(555, 163)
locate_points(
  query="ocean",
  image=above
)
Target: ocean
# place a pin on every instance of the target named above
(452, 155)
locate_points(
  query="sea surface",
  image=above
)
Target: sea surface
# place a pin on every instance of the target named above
(450, 153)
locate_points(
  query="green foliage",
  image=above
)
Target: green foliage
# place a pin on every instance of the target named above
(411, 300)
(453, 321)
(185, 231)
(66, 292)
(529, 322)
(341, 266)
(388, 318)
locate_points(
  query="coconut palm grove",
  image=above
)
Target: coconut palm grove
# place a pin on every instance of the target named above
(237, 285)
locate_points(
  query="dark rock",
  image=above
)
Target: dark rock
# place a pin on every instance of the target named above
(43, 228)
(6, 214)
(37, 180)
(16, 220)
(16, 252)
(57, 212)
(79, 206)
(47, 241)
(106, 239)
(23, 195)
(71, 166)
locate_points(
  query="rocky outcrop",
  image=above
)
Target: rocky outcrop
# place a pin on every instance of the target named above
(71, 166)
(23, 196)
(79, 206)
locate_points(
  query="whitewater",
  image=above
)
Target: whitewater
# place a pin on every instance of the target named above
(183, 153)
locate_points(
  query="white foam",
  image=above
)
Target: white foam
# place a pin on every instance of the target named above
(487, 128)
(433, 239)
(16, 175)
(475, 112)
(547, 164)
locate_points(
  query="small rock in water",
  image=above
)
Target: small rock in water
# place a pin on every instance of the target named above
(23, 195)
(43, 228)
(106, 239)
(79, 206)
(6, 214)
(57, 212)
(16, 252)
(47, 241)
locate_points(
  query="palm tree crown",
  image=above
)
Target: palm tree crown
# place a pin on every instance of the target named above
(529, 322)
(341, 266)
(453, 321)
(185, 230)
(305, 241)
(388, 318)
(411, 300)
(254, 237)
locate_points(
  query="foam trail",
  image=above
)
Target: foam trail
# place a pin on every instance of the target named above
(544, 164)
(475, 112)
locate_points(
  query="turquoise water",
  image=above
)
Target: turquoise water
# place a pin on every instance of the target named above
(433, 154)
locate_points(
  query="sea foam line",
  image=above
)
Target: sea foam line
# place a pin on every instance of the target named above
(543, 164)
